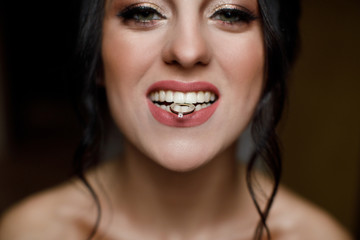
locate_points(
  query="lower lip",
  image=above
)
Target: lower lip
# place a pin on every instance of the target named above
(190, 120)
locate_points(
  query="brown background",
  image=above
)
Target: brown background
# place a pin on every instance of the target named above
(320, 132)
(321, 135)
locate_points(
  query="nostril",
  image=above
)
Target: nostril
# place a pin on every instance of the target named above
(187, 49)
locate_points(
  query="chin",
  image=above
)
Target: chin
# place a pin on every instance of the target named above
(182, 165)
(184, 159)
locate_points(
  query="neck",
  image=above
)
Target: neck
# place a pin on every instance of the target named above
(178, 201)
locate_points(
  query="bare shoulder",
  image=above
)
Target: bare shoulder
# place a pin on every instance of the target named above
(58, 213)
(295, 218)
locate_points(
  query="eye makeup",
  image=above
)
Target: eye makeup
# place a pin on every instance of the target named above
(146, 15)
(233, 14)
(141, 14)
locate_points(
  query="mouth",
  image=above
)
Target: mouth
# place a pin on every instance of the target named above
(165, 99)
(182, 104)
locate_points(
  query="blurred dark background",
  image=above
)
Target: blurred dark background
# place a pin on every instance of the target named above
(320, 132)
(38, 127)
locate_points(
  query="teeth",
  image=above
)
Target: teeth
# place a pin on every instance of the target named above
(177, 108)
(179, 97)
(190, 97)
(169, 97)
(201, 99)
(183, 108)
(207, 96)
(156, 96)
(162, 96)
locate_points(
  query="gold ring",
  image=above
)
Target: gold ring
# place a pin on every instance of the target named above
(182, 109)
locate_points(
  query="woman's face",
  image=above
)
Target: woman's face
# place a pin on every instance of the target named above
(208, 53)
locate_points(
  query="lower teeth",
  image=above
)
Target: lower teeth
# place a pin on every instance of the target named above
(197, 107)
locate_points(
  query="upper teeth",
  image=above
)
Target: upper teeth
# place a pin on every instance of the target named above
(180, 97)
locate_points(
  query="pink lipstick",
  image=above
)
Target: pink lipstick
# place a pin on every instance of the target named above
(205, 96)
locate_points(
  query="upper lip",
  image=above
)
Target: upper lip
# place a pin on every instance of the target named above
(183, 86)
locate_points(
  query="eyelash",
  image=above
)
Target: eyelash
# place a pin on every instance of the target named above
(233, 15)
(148, 16)
(139, 15)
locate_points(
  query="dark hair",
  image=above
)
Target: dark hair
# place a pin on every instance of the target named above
(280, 27)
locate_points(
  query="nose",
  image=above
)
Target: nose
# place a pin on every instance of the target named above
(187, 46)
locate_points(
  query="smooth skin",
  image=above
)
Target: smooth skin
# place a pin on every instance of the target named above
(173, 183)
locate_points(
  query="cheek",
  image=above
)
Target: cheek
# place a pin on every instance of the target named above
(118, 57)
(248, 74)
(126, 59)
(126, 54)
(242, 61)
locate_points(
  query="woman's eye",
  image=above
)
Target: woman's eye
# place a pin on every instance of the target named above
(233, 16)
(141, 14)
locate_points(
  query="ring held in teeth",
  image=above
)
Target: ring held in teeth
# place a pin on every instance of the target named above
(182, 109)
(182, 103)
